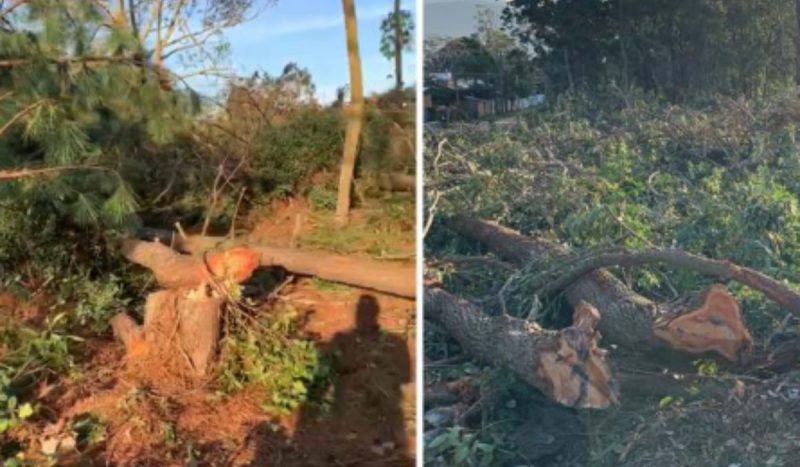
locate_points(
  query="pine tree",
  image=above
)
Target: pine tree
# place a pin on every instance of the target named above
(397, 32)
(78, 96)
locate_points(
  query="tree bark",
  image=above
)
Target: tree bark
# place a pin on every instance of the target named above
(398, 47)
(719, 269)
(181, 329)
(711, 322)
(565, 365)
(354, 112)
(185, 323)
(797, 43)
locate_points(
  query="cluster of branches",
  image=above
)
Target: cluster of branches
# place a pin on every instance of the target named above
(185, 33)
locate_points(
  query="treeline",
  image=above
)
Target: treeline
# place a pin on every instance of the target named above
(679, 49)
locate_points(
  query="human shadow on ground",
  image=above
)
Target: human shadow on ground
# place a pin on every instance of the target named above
(362, 422)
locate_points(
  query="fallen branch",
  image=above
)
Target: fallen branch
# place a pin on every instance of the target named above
(15, 174)
(174, 270)
(393, 278)
(710, 321)
(565, 365)
(722, 270)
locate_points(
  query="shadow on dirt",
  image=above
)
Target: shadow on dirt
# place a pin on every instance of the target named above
(357, 418)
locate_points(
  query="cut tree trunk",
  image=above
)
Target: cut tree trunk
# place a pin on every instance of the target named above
(186, 322)
(179, 324)
(388, 277)
(629, 319)
(565, 365)
(173, 270)
(182, 322)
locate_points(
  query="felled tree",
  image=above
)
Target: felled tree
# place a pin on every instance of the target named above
(709, 322)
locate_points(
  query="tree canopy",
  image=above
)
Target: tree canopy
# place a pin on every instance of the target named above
(679, 49)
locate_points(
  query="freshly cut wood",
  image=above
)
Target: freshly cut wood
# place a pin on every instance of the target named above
(184, 322)
(130, 333)
(181, 324)
(714, 323)
(173, 270)
(629, 319)
(388, 277)
(565, 365)
(719, 269)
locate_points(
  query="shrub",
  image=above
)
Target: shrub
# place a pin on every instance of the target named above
(274, 357)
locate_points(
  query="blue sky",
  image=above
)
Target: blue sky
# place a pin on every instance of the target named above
(311, 33)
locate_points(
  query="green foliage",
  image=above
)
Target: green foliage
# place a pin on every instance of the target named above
(322, 198)
(289, 152)
(461, 448)
(83, 115)
(29, 355)
(681, 50)
(274, 357)
(389, 28)
(71, 266)
(706, 367)
(94, 302)
(598, 174)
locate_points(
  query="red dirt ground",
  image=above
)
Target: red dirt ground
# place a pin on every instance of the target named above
(152, 414)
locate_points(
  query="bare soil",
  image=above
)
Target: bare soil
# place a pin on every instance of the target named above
(146, 413)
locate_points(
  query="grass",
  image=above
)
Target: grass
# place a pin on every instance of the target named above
(328, 286)
(384, 229)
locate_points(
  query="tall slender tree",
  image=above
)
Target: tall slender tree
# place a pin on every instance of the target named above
(797, 42)
(398, 46)
(354, 112)
(397, 29)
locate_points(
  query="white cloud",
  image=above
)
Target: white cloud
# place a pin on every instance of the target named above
(311, 24)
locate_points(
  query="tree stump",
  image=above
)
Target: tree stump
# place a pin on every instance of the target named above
(182, 322)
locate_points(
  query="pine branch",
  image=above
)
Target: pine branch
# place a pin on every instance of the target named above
(90, 59)
(29, 173)
(21, 114)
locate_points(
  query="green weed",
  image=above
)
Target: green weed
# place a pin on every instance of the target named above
(274, 357)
